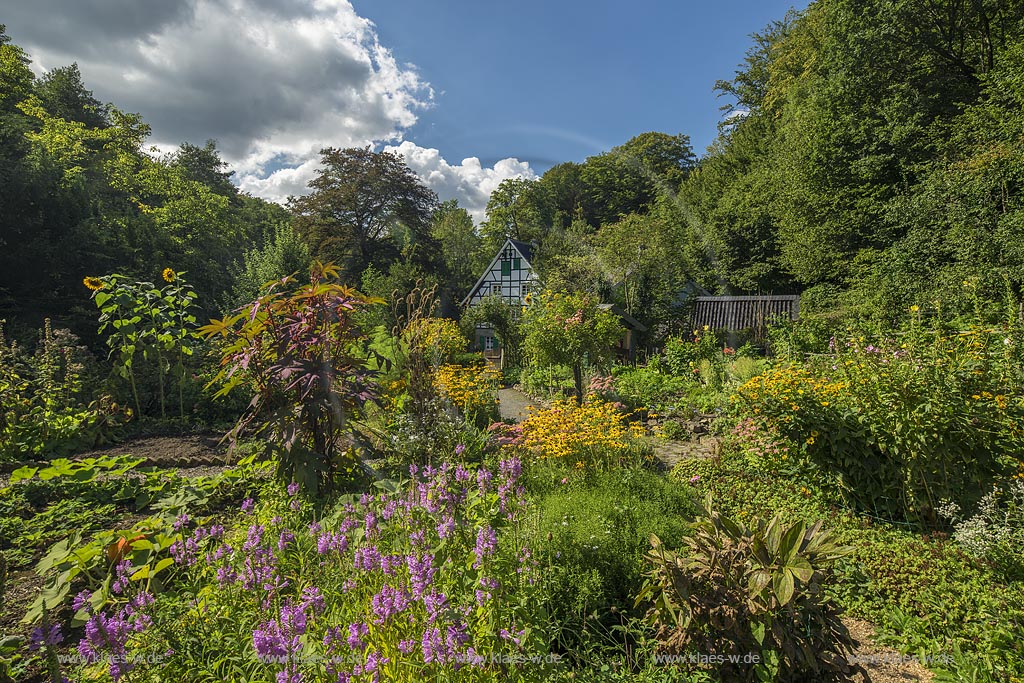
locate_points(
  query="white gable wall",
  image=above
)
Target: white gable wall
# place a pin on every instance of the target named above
(506, 280)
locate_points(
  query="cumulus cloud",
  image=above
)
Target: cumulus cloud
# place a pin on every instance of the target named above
(273, 81)
(270, 80)
(469, 182)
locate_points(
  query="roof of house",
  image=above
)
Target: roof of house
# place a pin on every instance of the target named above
(525, 248)
(625, 317)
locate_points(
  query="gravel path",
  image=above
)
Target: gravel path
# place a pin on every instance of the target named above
(513, 404)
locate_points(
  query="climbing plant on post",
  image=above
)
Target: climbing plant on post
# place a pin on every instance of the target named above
(572, 330)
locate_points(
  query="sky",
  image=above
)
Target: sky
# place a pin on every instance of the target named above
(469, 92)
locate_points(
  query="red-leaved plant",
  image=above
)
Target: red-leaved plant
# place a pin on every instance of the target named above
(297, 349)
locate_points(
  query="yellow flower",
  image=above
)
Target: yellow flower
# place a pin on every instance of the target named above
(915, 308)
(93, 283)
(169, 275)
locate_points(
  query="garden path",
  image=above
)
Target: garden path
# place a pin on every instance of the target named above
(514, 405)
(670, 453)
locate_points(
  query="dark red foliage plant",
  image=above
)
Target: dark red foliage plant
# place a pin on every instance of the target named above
(298, 350)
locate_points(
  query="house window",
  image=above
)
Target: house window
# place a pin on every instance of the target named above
(488, 343)
(506, 268)
(496, 289)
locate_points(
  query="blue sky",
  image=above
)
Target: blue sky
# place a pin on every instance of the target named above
(468, 92)
(556, 81)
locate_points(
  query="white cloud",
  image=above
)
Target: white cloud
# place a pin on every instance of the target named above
(270, 80)
(469, 182)
(273, 81)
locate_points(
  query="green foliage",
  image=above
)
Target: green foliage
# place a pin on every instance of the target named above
(646, 387)
(925, 593)
(569, 329)
(154, 323)
(902, 423)
(506, 322)
(43, 404)
(595, 530)
(364, 208)
(296, 351)
(738, 589)
(283, 254)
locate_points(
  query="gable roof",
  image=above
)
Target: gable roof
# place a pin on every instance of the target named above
(525, 249)
(525, 252)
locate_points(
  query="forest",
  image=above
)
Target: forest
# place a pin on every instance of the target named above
(243, 440)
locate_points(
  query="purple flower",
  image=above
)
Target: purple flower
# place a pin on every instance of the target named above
(181, 522)
(388, 602)
(293, 489)
(313, 598)
(121, 577)
(355, 636)
(694, 479)
(42, 637)
(486, 544)
(286, 538)
(446, 527)
(81, 600)
(460, 449)
(421, 573)
(406, 646)
(247, 505)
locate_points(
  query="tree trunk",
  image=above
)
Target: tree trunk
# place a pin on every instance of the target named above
(577, 376)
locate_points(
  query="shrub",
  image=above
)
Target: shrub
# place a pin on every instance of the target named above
(735, 589)
(440, 339)
(546, 380)
(572, 330)
(44, 409)
(901, 425)
(644, 387)
(296, 351)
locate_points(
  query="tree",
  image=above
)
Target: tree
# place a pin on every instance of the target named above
(462, 249)
(65, 96)
(572, 330)
(204, 165)
(629, 177)
(285, 254)
(504, 319)
(518, 208)
(359, 201)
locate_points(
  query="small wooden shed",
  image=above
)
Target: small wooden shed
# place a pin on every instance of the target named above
(738, 313)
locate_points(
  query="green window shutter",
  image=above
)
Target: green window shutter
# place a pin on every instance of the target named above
(506, 268)
(517, 264)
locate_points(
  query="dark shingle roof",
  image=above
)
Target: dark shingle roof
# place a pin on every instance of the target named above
(525, 248)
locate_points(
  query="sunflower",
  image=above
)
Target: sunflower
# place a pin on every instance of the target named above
(93, 283)
(169, 274)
